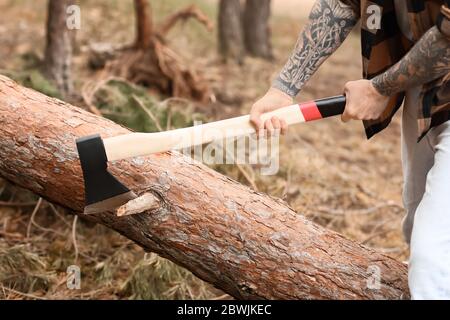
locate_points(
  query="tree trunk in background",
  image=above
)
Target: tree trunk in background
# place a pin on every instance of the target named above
(246, 243)
(58, 51)
(256, 28)
(144, 24)
(231, 38)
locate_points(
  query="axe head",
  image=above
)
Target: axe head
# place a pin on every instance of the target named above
(103, 192)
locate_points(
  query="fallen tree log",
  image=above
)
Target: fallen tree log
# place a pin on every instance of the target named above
(246, 243)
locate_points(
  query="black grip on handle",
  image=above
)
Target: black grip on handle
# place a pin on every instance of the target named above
(332, 106)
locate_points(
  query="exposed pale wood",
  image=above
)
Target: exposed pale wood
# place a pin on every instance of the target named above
(246, 243)
(145, 202)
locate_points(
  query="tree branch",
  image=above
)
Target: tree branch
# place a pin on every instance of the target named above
(183, 15)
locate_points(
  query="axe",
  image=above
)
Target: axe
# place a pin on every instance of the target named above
(104, 192)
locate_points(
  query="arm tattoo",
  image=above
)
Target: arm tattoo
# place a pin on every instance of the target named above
(428, 60)
(330, 22)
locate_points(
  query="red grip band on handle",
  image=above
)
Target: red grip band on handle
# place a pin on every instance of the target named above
(310, 111)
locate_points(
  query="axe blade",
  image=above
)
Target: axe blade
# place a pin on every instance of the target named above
(103, 192)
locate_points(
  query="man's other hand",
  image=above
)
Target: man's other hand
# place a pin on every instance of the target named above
(272, 100)
(364, 102)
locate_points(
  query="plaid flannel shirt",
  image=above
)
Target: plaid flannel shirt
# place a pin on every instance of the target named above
(385, 46)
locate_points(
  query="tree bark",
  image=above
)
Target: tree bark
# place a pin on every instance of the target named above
(231, 38)
(58, 51)
(246, 243)
(144, 24)
(256, 28)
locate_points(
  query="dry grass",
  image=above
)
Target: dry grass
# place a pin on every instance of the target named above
(329, 172)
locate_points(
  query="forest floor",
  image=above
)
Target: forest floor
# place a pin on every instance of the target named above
(329, 171)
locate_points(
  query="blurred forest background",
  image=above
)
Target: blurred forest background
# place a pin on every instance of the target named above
(329, 171)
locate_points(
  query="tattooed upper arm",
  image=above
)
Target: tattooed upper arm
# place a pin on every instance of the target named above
(428, 60)
(330, 22)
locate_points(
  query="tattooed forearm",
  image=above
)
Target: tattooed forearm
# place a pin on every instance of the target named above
(329, 24)
(428, 60)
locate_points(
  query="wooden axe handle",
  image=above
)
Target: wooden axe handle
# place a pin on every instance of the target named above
(139, 144)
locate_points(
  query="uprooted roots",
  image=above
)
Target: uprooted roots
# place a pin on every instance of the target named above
(151, 63)
(160, 68)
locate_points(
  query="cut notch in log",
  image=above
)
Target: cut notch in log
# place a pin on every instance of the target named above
(145, 202)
